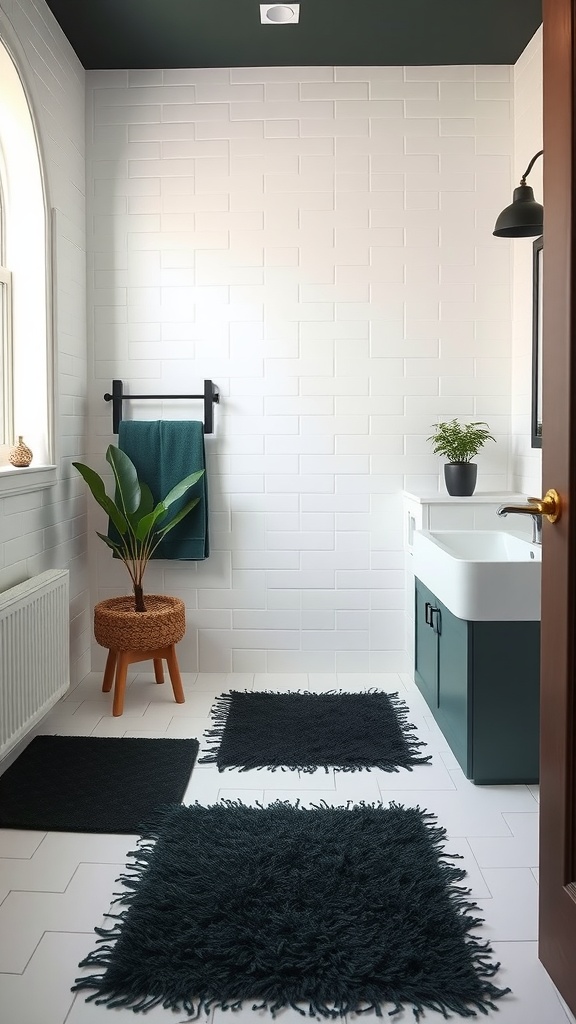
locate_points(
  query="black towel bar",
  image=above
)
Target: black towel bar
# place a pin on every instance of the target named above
(210, 395)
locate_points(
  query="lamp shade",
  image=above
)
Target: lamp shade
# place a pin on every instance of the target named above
(523, 218)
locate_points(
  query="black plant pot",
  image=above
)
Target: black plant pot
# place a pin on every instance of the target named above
(460, 478)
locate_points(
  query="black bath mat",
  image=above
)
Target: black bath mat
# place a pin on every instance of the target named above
(331, 911)
(305, 731)
(93, 784)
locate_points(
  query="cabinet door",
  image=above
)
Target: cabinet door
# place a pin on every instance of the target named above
(426, 645)
(453, 685)
(505, 737)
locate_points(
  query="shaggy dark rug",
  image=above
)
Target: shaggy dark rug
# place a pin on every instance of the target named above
(329, 911)
(305, 731)
(93, 784)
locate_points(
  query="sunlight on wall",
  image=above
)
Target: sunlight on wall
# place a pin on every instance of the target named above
(25, 230)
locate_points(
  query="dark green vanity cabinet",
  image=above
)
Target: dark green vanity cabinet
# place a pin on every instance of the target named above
(481, 681)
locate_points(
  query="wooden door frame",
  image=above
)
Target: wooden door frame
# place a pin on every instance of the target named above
(557, 927)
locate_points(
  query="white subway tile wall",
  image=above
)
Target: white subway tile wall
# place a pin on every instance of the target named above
(47, 529)
(317, 241)
(526, 461)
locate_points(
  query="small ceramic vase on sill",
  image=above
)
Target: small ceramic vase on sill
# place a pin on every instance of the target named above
(20, 456)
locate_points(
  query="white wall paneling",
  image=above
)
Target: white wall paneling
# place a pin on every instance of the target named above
(526, 461)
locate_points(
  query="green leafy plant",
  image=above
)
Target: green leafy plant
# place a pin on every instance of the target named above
(141, 525)
(459, 442)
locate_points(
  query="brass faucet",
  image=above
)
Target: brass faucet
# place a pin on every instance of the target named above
(548, 506)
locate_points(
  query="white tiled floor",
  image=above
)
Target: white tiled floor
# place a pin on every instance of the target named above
(55, 887)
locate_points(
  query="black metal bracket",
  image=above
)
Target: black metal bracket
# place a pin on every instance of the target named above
(210, 395)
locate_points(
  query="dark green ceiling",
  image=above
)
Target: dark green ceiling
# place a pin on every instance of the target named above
(228, 33)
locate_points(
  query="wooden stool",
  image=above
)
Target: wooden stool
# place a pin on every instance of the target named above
(117, 664)
(132, 637)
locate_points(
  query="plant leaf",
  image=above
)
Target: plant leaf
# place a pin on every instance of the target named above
(146, 524)
(459, 442)
(180, 489)
(146, 500)
(96, 485)
(111, 544)
(178, 517)
(145, 507)
(126, 479)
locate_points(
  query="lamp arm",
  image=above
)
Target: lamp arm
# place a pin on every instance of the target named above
(530, 166)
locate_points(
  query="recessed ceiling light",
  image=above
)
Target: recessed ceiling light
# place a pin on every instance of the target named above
(279, 14)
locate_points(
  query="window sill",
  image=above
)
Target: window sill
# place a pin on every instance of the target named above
(29, 478)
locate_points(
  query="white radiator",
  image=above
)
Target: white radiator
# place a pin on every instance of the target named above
(34, 652)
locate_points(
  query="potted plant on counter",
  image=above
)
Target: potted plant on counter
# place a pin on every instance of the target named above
(459, 443)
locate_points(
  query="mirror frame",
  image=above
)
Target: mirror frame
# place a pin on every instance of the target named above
(536, 411)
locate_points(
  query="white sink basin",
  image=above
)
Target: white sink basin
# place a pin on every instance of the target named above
(480, 575)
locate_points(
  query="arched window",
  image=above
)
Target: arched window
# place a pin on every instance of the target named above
(25, 363)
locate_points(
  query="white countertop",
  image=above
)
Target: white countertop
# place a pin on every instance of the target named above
(478, 498)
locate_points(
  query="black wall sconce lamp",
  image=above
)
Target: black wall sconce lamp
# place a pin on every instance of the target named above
(524, 217)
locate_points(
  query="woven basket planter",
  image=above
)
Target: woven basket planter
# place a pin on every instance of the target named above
(119, 628)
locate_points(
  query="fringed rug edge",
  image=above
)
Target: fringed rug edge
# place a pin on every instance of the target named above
(194, 1006)
(220, 711)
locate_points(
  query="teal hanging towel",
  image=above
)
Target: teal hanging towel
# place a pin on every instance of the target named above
(164, 452)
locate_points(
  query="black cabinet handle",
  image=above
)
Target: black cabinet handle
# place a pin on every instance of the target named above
(436, 620)
(428, 613)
